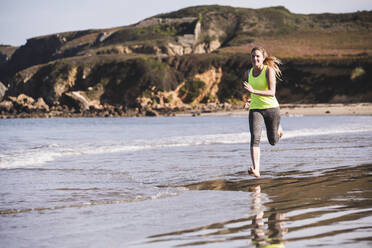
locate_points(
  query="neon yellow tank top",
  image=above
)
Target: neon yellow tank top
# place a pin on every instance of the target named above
(260, 83)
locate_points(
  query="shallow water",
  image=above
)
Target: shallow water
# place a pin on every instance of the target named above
(183, 181)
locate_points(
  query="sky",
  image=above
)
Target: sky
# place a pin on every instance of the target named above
(24, 19)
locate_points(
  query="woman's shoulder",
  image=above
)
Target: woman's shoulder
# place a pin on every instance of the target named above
(269, 70)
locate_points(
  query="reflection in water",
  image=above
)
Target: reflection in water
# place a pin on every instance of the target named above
(332, 209)
(273, 237)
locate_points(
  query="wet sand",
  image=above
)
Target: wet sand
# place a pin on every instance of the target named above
(327, 109)
(331, 210)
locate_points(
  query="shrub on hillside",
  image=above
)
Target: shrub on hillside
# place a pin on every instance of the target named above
(191, 90)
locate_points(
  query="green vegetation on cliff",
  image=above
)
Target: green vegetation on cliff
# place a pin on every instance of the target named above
(191, 90)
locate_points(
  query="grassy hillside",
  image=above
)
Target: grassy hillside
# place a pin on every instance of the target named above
(236, 29)
(286, 34)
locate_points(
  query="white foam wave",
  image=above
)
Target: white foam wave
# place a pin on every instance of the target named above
(32, 157)
(37, 156)
(322, 131)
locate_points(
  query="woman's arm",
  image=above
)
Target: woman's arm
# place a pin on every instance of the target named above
(248, 102)
(271, 81)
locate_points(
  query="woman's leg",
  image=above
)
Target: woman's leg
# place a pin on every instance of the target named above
(272, 121)
(256, 122)
(255, 155)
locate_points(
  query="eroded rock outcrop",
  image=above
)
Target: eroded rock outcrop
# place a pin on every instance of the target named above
(211, 78)
(170, 100)
(76, 100)
(49, 81)
(24, 103)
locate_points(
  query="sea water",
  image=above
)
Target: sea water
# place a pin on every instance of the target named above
(183, 181)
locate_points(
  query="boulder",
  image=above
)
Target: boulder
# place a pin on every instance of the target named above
(3, 90)
(173, 49)
(151, 112)
(146, 49)
(226, 106)
(25, 99)
(41, 105)
(6, 106)
(214, 45)
(22, 103)
(21, 100)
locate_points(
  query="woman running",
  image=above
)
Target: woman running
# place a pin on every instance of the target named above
(263, 107)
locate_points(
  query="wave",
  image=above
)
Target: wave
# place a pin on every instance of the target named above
(36, 156)
(161, 193)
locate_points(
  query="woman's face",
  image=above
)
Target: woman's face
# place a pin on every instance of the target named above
(257, 58)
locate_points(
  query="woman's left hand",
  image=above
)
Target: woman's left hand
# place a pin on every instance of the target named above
(248, 87)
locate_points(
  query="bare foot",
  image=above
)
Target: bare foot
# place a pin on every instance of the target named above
(253, 172)
(280, 131)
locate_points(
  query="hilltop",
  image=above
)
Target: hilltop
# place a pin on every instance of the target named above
(191, 56)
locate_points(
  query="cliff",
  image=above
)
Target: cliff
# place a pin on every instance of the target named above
(192, 56)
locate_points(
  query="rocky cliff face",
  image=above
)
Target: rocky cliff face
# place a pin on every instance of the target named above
(192, 56)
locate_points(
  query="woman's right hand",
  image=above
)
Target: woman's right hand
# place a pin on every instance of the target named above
(247, 104)
(248, 87)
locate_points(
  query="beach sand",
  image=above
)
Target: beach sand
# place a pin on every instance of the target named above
(327, 109)
(303, 109)
(237, 110)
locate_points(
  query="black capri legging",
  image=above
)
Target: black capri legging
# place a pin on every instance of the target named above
(271, 117)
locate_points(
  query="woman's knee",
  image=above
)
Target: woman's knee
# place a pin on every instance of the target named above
(273, 143)
(273, 140)
(255, 141)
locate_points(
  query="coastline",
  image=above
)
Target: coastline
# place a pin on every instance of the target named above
(303, 109)
(327, 109)
(205, 110)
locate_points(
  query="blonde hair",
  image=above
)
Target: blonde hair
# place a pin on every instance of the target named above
(270, 61)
